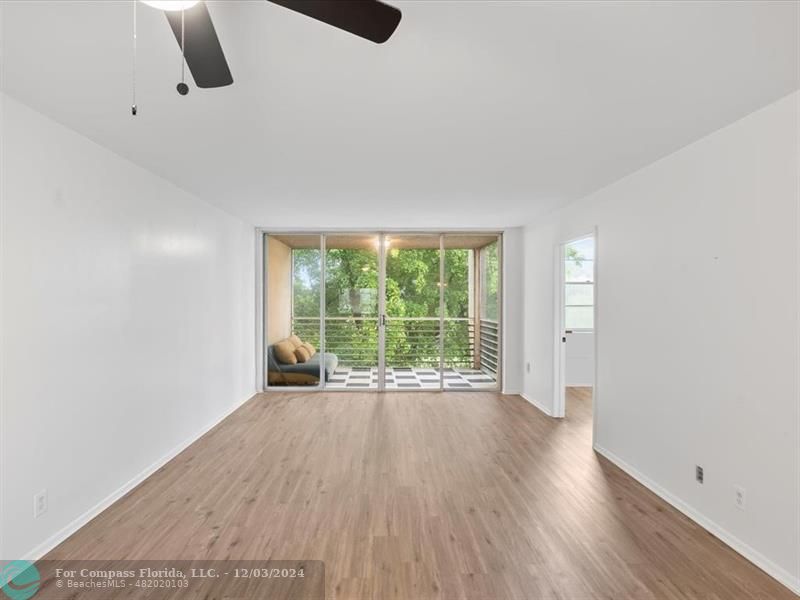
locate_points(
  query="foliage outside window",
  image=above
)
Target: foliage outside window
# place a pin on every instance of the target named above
(579, 285)
(412, 304)
(490, 279)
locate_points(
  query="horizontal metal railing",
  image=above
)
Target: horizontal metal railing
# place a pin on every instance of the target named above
(410, 341)
(489, 346)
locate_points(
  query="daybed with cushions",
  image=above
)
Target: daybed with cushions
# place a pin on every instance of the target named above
(294, 362)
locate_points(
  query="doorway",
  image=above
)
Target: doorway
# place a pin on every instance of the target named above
(576, 327)
(383, 311)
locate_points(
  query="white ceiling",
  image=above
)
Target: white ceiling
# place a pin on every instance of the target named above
(473, 114)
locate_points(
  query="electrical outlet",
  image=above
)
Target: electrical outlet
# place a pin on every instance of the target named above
(39, 504)
(528, 367)
(740, 496)
(698, 473)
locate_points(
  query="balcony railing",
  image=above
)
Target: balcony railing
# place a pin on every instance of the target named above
(489, 346)
(410, 341)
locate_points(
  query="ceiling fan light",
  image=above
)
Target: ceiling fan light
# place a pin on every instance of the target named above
(171, 4)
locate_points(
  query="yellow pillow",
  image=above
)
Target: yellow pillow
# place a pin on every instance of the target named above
(301, 354)
(284, 352)
(309, 348)
(296, 341)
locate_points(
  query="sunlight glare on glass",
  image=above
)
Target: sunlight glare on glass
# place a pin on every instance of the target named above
(386, 243)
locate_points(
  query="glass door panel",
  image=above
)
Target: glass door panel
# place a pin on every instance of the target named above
(293, 287)
(351, 329)
(471, 319)
(413, 342)
(488, 346)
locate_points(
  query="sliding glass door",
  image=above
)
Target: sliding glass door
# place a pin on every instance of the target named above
(470, 291)
(293, 277)
(352, 309)
(405, 312)
(412, 300)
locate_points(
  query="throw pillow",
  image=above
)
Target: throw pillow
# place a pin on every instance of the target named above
(301, 354)
(284, 352)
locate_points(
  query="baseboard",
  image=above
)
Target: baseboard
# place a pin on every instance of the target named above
(54, 540)
(537, 404)
(762, 562)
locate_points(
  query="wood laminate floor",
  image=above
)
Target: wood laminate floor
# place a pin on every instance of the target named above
(421, 495)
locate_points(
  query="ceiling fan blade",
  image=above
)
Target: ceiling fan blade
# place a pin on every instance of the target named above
(204, 55)
(369, 19)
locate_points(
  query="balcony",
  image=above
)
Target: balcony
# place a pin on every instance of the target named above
(351, 278)
(412, 350)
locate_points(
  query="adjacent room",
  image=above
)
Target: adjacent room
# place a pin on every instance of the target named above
(366, 299)
(575, 367)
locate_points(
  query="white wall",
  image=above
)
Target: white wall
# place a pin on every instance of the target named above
(512, 316)
(579, 359)
(697, 328)
(127, 314)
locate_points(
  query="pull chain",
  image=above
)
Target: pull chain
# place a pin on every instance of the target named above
(183, 89)
(133, 104)
(183, 46)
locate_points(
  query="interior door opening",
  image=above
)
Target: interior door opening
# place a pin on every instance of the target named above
(576, 331)
(383, 311)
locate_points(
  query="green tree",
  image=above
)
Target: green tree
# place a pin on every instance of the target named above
(412, 304)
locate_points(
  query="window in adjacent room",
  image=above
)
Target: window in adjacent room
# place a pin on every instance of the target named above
(579, 285)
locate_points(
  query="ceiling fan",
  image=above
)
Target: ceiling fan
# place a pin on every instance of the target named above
(191, 23)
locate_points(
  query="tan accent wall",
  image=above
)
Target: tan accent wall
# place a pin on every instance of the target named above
(279, 290)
